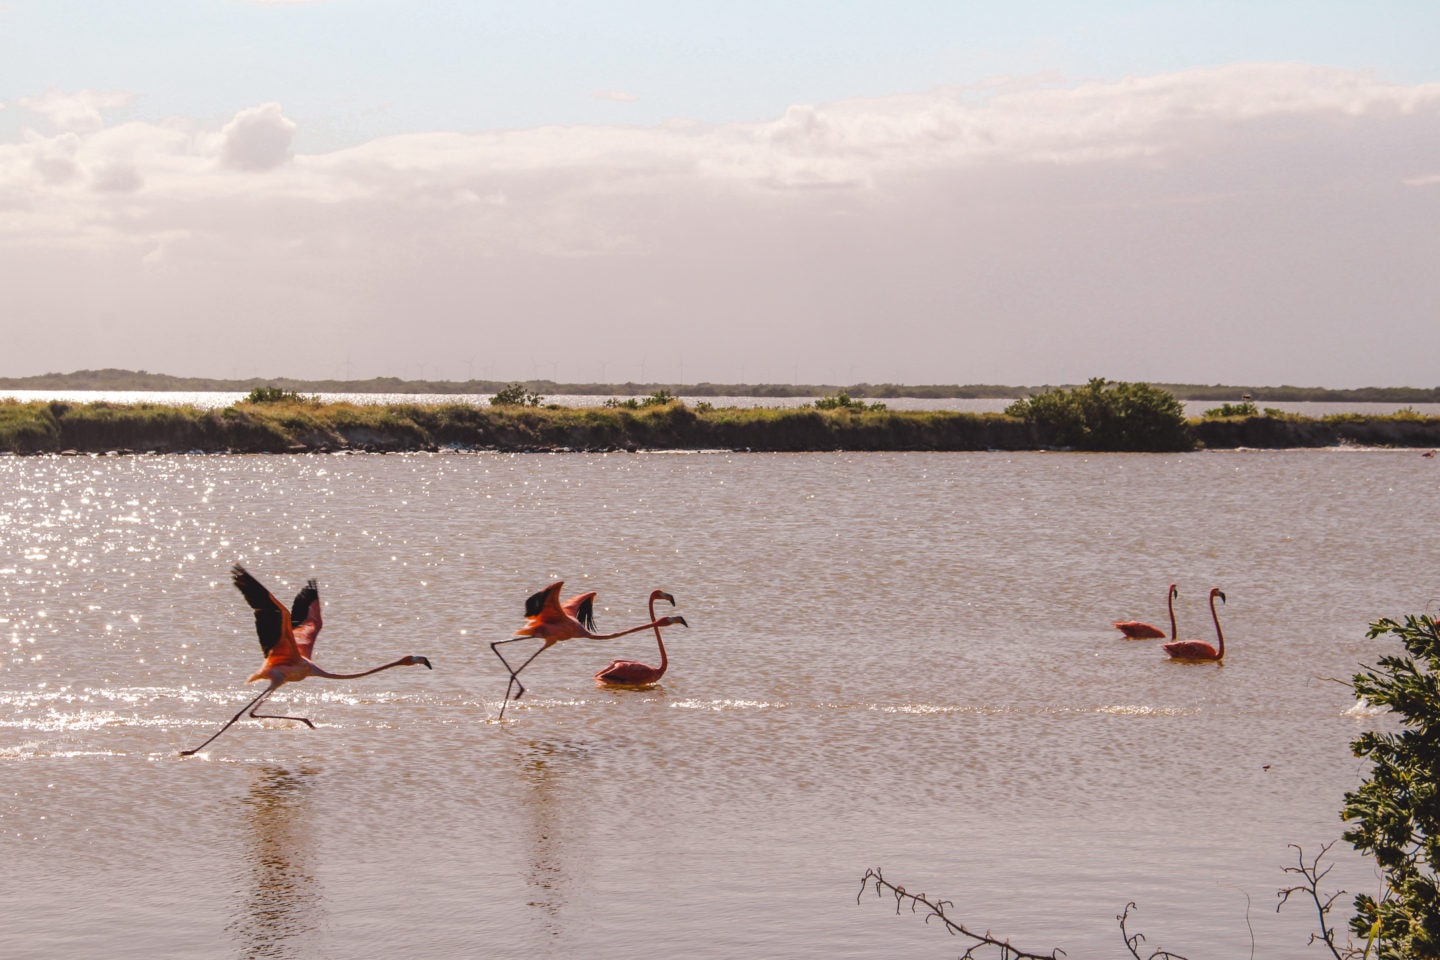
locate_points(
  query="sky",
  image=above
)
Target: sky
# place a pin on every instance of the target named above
(1021, 192)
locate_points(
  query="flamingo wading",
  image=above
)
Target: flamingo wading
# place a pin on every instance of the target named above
(633, 672)
(547, 619)
(1138, 630)
(287, 638)
(1199, 649)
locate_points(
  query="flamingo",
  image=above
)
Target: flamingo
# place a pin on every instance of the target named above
(287, 638)
(633, 672)
(1136, 630)
(1199, 649)
(552, 621)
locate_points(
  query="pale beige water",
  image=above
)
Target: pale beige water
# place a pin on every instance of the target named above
(901, 661)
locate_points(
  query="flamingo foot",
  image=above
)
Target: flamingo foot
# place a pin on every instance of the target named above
(278, 716)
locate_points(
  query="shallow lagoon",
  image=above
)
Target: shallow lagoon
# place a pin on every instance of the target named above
(901, 661)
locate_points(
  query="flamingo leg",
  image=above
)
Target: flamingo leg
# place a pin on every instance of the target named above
(514, 671)
(279, 716)
(252, 705)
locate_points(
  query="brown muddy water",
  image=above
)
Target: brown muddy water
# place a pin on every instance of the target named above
(903, 661)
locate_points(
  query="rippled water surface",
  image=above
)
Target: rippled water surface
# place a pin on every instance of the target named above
(903, 661)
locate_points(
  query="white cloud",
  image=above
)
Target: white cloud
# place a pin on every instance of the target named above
(82, 110)
(117, 178)
(257, 139)
(616, 96)
(1149, 217)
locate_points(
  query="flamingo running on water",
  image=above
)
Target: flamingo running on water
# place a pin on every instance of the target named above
(547, 619)
(1199, 649)
(287, 638)
(633, 672)
(1138, 630)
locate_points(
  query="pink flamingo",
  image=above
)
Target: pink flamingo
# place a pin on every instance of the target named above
(287, 638)
(633, 672)
(552, 621)
(1136, 630)
(1199, 649)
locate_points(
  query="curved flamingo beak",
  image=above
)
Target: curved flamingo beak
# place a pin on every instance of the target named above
(423, 660)
(679, 620)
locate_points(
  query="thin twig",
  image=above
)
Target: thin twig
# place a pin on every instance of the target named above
(979, 941)
(1311, 888)
(1133, 940)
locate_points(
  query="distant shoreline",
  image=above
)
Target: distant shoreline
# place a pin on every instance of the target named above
(140, 380)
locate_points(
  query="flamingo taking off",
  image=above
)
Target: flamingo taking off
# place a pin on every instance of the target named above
(547, 619)
(1199, 649)
(633, 672)
(287, 637)
(1138, 630)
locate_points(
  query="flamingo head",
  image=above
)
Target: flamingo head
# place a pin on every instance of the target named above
(672, 620)
(411, 661)
(661, 595)
(1217, 592)
(1174, 591)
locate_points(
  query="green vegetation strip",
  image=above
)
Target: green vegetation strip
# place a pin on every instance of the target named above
(1100, 416)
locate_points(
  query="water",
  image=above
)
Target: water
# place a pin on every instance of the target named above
(213, 399)
(903, 661)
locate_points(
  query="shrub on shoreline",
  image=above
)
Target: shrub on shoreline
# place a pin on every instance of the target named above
(1102, 417)
(1108, 416)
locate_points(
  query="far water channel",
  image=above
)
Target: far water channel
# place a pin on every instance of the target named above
(216, 399)
(897, 661)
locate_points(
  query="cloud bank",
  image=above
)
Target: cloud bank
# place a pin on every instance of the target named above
(1256, 223)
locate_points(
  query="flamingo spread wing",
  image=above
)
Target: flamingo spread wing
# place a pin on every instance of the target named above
(305, 619)
(272, 620)
(582, 609)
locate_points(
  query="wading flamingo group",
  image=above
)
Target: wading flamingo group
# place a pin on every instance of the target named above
(633, 672)
(1136, 630)
(1199, 649)
(547, 619)
(287, 638)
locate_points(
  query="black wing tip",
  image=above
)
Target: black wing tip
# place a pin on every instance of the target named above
(586, 614)
(536, 601)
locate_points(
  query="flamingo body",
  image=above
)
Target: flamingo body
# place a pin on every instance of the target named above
(1138, 630)
(550, 620)
(287, 638)
(1199, 649)
(633, 673)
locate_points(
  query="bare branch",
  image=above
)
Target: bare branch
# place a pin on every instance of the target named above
(1133, 940)
(935, 910)
(1310, 887)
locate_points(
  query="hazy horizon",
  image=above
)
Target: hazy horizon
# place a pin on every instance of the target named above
(910, 193)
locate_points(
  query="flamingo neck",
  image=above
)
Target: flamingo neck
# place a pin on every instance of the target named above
(1170, 602)
(1219, 636)
(322, 672)
(658, 642)
(621, 633)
